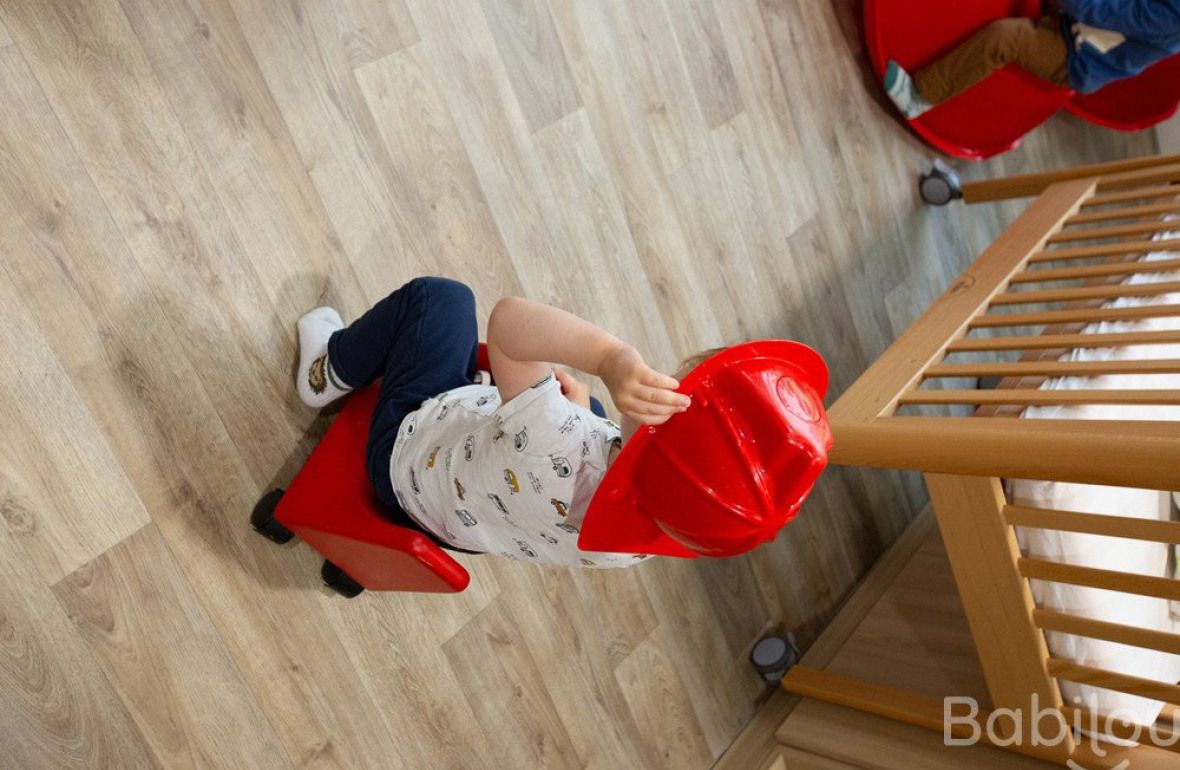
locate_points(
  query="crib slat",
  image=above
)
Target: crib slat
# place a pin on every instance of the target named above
(1148, 210)
(1113, 231)
(1148, 639)
(1074, 315)
(1143, 193)
(1097, 271)
(1161, 738)
(1064, 341)
(1101, 291)
(1146, 177)
(1053, 368)
(1153, 530)
(1110, 680)
(1143, 585)
(1106, 250)
(1033, 397)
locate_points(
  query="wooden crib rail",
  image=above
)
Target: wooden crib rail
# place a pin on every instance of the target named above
(1115, 175)
(1131, 454)
(1018, 270)
(876, 392)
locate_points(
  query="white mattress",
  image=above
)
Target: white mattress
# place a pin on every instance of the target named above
(1107, 552)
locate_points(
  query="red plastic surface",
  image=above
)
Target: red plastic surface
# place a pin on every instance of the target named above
(1136, 103)
(331, 506)
(724, 476)
(986, 120)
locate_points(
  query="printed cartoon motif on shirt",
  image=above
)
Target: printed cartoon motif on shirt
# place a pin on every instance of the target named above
(568, 425)
(536, 483)
(510, 480)
(521, 440)
(483, 401)
(460, 490)
(561, 466)
(561, 508)
(447, 462)
(585, 449)
(466, 517)
(588, 563)
(433, 455)
(499, 435)
(525, 548)
(411, 424)
(496, 501)
(570, 528)
(414, 482)
(469, 447)
(550, 539)
(442, 412)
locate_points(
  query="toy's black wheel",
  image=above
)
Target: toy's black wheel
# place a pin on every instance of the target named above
(264, 522)
(339, 581)
(940, 185)
(773, 655)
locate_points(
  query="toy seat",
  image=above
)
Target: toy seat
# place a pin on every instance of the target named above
(1134, 104)
(992, 117)
(331, 506)
(1013, 102)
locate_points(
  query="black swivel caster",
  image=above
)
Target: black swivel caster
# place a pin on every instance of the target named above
(940, 185)
(339, 581)
(264, 521)
(773, 655)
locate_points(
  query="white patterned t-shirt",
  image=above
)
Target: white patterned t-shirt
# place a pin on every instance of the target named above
(511, 479)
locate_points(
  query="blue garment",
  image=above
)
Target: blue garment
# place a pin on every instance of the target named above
(422, 339)
(1151, 28)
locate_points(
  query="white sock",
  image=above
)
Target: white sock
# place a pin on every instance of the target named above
(315, 381)
(901, 89)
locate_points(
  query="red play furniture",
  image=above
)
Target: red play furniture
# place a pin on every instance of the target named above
(1136, 103)
(330, 505)
(992, 117)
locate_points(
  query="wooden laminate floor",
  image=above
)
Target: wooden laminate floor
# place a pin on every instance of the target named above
(181, 179)
(915, 638)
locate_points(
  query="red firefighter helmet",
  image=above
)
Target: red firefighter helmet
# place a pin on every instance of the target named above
(724, 476)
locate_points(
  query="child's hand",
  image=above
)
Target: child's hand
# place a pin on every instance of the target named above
(573, 388)
(639, 391)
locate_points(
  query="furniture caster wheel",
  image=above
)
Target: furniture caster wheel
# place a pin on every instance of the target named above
(773, 655)
(339, 581)
(264, 521)
(940, 185)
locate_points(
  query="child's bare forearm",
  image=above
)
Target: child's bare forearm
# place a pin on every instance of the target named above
(522, 331)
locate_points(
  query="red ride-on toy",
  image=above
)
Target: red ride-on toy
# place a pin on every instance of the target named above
(992, 117)
(330, 505)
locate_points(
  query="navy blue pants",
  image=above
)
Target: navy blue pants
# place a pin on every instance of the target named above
(422, 341)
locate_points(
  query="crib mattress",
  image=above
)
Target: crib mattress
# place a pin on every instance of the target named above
(1107, 552)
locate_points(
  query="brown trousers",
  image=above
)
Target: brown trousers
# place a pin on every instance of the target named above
(1036, 46)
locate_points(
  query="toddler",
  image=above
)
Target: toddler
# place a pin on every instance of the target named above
(1078, 44)
(506, 469)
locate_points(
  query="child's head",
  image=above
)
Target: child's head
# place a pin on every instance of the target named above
(695, 360)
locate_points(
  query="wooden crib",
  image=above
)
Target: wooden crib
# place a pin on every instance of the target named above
(1117, 208)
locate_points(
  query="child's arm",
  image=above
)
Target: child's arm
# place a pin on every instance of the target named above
(526, 338)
